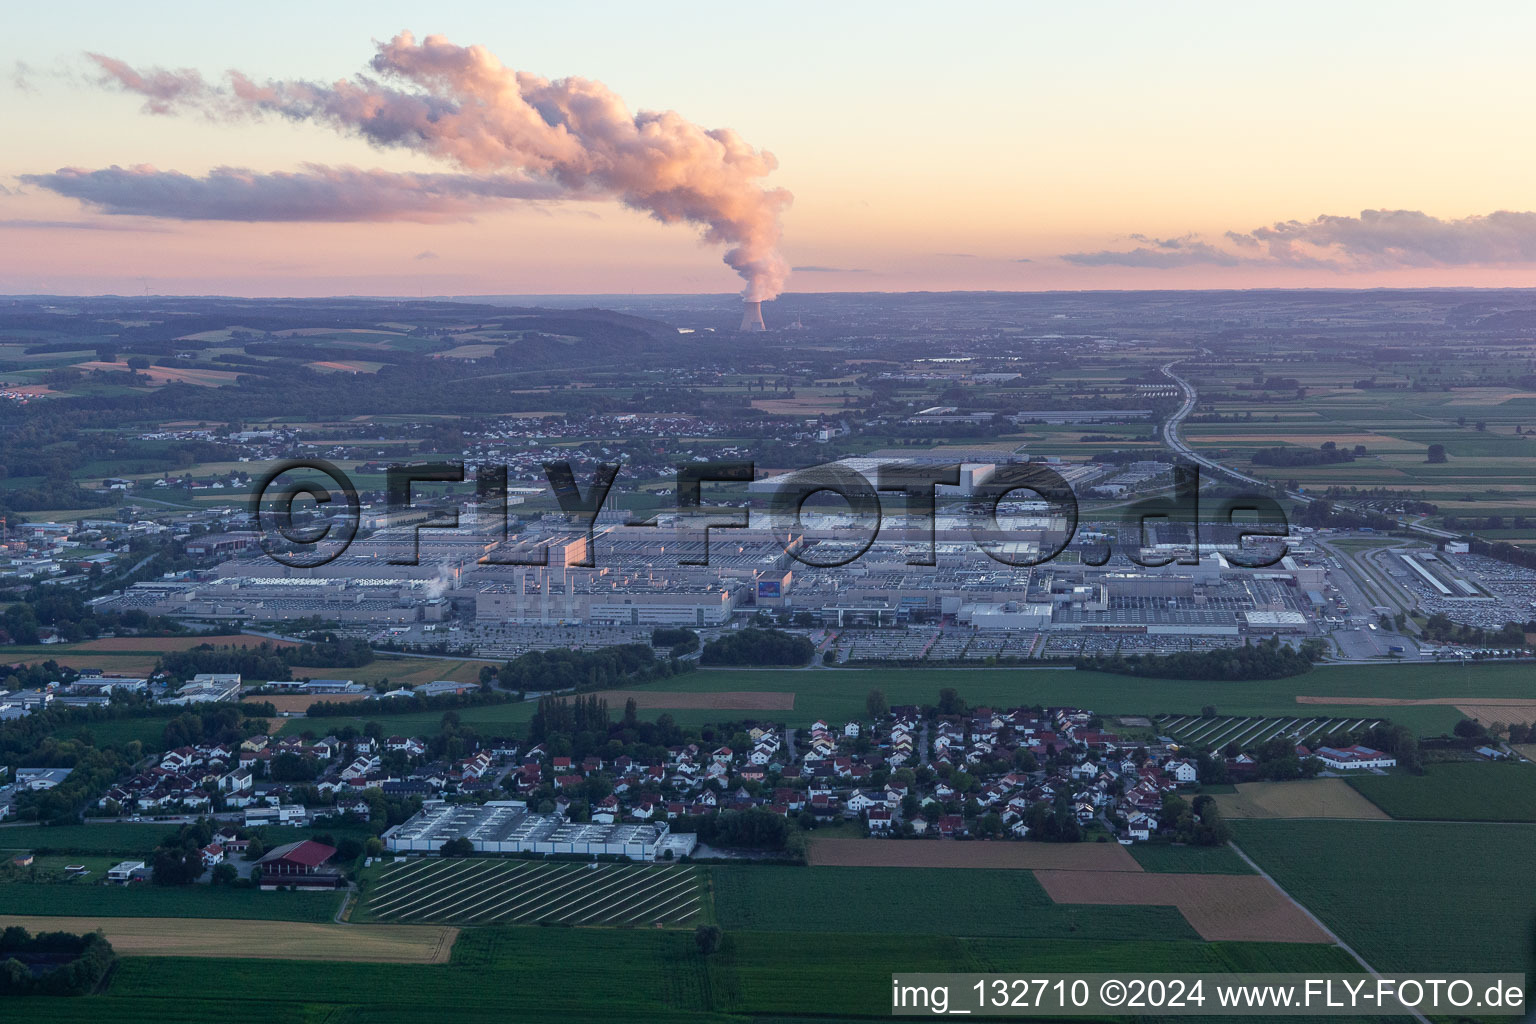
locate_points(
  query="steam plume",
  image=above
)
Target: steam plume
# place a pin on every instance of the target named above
(462, 105)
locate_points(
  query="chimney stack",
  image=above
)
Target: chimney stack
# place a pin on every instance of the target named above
(752, 316)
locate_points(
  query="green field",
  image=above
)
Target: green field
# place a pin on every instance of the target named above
(1473, 791)
(1195, 860)
(915, 902)
(90, 899)
(641, 976)
(114, 838)
(838, 694)
(1409, 896)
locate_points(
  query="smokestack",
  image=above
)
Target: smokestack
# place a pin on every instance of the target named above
(752, 316)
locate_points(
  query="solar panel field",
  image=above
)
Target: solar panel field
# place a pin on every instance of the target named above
(484, 891)
(1215, 733)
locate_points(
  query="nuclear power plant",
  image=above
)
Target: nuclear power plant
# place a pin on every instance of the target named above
(752, 316)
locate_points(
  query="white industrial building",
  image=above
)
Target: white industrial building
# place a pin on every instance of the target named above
(505, 826)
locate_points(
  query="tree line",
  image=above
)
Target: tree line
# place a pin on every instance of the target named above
(1268, 659)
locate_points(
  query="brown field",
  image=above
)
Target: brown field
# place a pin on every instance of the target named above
(271, 940)
(32, 390)
(479, 351)
(345, 366)
(1303, 798)
(1222, 908)
(725, 700)
(809, 406)
(1508, 713)
(1403, 702)
(1090, 859)
(298, 703)
(1525, 750)
(175, 643)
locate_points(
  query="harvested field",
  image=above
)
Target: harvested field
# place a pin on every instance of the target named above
(345, 366)
(296, 704)
(269, 940)
(1303, 798)
(1526, 750)
(1082, 858)
(1488, 712)
(1236, 908)
(167, 374)
(725, 700)
(1406, 702)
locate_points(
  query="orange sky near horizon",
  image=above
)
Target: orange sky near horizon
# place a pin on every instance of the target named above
(972, 150)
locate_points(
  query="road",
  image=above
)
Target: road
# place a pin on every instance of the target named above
(1346, 947)
(1180, 447)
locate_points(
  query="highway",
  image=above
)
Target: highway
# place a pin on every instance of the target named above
(1181, 448)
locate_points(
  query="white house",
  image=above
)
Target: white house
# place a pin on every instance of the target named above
(1181, 771)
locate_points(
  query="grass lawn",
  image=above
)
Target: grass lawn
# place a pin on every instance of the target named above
(1471, 791)
(916, 901)
(1409, 896)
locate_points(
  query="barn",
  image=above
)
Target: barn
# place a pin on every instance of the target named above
(301, 865)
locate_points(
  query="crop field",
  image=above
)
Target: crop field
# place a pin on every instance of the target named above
(933, 853)
(1220, 907)
(1215, 733)
(203, 937)
(1298, 798)
(1473, 791)
(89, 897)
(1189, 860)
(921, 901)
(1461, 897)
(723, 700)
(651, 976)
(486, 891)
(121, 838)
(839, 694)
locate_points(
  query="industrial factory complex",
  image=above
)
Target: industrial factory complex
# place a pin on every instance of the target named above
(959, 570)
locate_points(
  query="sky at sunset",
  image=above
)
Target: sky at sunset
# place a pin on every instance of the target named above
(1018, 146)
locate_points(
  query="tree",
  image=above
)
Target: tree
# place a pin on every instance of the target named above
(225, 874)
(1436, 453)
(950, 702)
(708, 937)
(460, 847)
(256, 850)
(876, 705)
(1469, 728)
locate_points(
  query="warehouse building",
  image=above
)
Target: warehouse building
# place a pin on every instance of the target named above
(505, 826)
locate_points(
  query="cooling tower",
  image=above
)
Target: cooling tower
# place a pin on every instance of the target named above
(752, 316)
